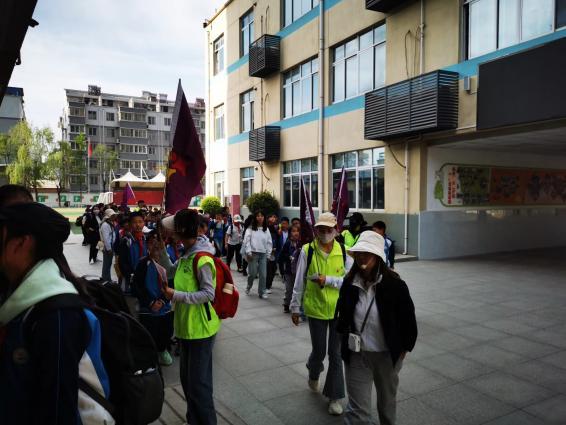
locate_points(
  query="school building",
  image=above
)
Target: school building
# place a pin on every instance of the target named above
(449, 116)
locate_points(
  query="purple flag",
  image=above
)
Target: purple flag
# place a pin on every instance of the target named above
(340, 203)
(127, 194)
(186, 160)
(307, 216)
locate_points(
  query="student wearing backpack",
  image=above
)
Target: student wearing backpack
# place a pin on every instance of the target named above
(288, 263)
(321, 268)
(196, 321)
(133, 247)
(43, 354)
(108, 237)
(150, 281)
(234, 239)
(257, 246)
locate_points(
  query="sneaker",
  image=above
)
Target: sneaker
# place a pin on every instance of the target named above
(313, 385)
(286, 309)
(245, 273)
(269, 291)
(264, 296)
(335, 408)
(248, 291)
(165, 358)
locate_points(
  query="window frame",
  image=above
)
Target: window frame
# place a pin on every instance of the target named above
(133, 148)
(284, 7)
(314, 82)
(249, 27)
(313, 171)
(151, 120)
(343, 62)
(222, 122)
(216, 54)
(357, 168)
(110, 114)
(250, 94)
(136, 133)
(92, 112)
(92, 132)
(246, 179)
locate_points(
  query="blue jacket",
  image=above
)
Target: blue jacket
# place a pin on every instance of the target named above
(148, 289)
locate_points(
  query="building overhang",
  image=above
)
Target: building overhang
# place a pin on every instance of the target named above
(15, 17)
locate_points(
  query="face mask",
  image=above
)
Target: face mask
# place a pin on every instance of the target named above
(326, 237)
(96, 211)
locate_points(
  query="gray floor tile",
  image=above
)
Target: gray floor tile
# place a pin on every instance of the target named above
(302, 408)
(271, 338)
(556, 359)
(525, 347)
(273, 383)
(547, 337)
(491, 355)
(480, 333)
(290, 353)
(415, 379)
(449, 341)
(509, 326)
(423, 350)
(516, 418)
(465, 404)
(246, 362)
(552, 410)
(454, 367)
(252, 326)
(415, 412)
(510, 389)
(540, 373)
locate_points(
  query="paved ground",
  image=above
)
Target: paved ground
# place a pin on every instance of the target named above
(491, 348)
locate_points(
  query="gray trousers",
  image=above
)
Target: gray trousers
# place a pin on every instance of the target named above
(334, 384)
(107, 257)
(364, 370)
(258, 264)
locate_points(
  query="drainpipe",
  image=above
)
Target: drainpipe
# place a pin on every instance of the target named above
(321, 107)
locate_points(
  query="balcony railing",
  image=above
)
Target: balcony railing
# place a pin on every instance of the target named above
(265, 55)
(425, 103)
(265, 143)
(384, 6)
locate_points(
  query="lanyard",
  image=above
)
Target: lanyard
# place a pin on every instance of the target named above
(367, 314)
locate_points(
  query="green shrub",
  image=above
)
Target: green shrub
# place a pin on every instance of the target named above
(263, 201)
(211, 205)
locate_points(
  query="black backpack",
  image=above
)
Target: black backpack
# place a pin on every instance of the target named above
(128, 353)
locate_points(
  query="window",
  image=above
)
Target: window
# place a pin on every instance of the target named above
(132, 116)
(91, 115)
(219, 122)
(77, 179)
(359, 64)
(151, 150)
(294, 9)
(300, 88)
(219, 185)
(246, 32)
(219, 54)
(141, 149)
(167, 121)
(247, 176)
(247, 110)
(151, 120)
(165, 109)
(92, 131)
(110, 132)
(76, 112)
(293, 171)
(109, 116)
(76, 129)
(133, 132)
(93, 180)
(495, 24)
(364, 177)
(93, 163)
(127, 164)
(166, 136)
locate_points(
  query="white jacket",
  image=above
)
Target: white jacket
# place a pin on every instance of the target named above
(258, 241)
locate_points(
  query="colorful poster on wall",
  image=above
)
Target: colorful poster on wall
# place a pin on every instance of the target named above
(459, 185)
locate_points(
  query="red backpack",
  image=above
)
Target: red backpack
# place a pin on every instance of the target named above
(226, 295)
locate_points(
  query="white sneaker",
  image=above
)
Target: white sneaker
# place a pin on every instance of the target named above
(335, 408)
(313, 385)
(269, 291)
(264, 296)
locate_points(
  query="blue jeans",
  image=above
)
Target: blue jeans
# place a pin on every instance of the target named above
(258, 263)
(107, 257)
(196, 380)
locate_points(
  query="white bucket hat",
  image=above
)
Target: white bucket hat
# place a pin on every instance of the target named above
(238, 219)
(109, 213)
(372, 242)
(168, 223)
(326, 219)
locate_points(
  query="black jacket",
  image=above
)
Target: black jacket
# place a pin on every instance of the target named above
(396, 313)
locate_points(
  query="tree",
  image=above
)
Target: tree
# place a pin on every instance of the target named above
(29, 168)
(59, 165)
(211, 205)
(107, 160)
(8, 150)
(263, 201)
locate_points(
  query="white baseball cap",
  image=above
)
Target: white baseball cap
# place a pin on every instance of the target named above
(372, 242)
(326, 219)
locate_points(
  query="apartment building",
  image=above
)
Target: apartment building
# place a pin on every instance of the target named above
(11, 112)
(447, 115)
(137, 128)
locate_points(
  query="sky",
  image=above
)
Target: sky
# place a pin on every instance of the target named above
(123, 46)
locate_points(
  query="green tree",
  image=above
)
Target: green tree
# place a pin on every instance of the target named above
(58, 167)
(8, 150)
(107, 160)
(263, 201)
(211, 205)
(29, 166)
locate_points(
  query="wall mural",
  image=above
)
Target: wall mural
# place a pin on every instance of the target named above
(459, 185)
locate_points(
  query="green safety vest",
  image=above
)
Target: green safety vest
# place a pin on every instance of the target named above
(320, 303)
(349, 239)
(194, 321)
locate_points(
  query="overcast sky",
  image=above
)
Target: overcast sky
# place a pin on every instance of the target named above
(124, 46)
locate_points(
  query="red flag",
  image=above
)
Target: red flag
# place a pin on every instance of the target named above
(89, 149)
(340, 203)
(127, 195)
(186, 160)
(307, 216)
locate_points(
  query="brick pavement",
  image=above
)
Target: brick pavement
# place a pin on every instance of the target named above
(491, 348)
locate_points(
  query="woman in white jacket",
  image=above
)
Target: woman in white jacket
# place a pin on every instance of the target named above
(257, 245)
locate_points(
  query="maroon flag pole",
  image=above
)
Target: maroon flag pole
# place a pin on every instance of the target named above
(186, 160)
(307, 216)
(340, 203)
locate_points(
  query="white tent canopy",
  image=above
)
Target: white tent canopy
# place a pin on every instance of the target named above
(159, 178)
(129, 177)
